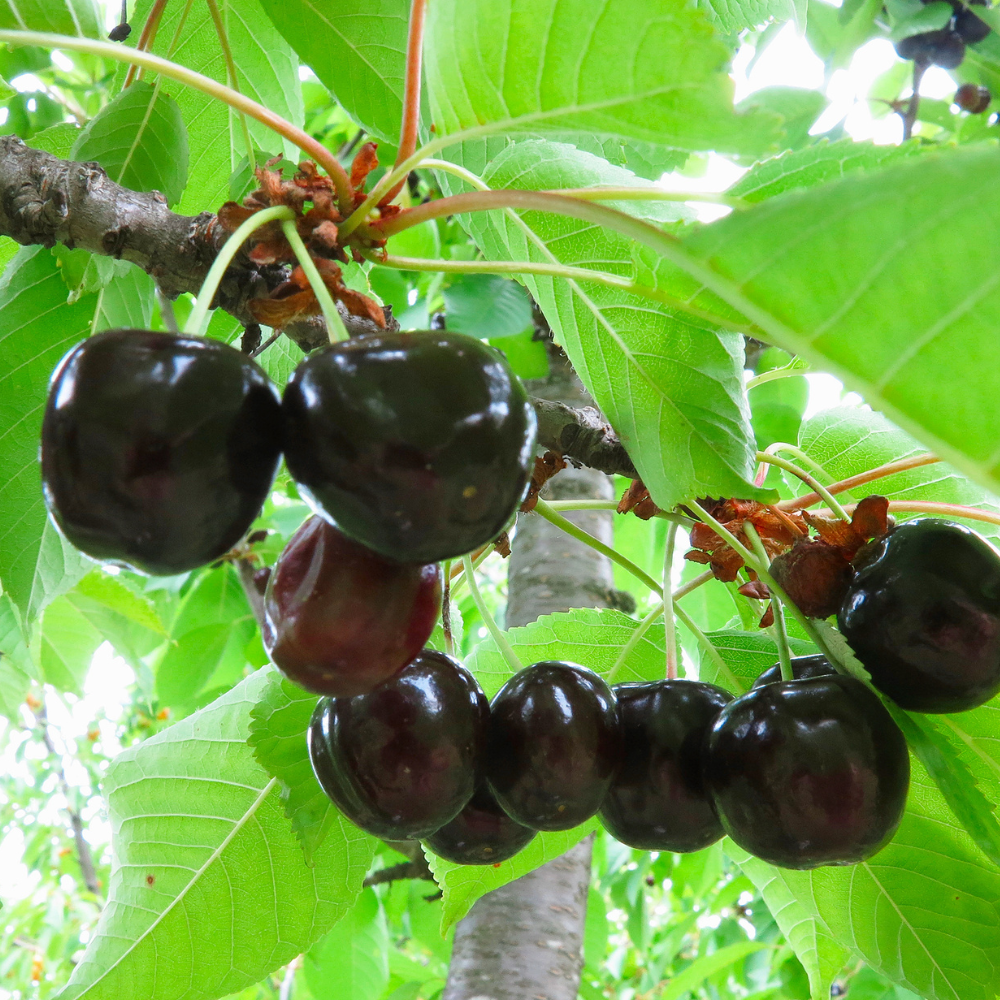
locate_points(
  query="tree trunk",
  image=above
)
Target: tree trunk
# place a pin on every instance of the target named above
(524, 941)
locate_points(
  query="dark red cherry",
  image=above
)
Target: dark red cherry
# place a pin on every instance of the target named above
(554, 746)
(923, 616)
(808, 773)
(481, 834)
(658, 801)
(341, 619)
(803, 667)
(943, 47)
(969, 27)
(418, 445)
(973, 98)
(401, 761)
(158, 450)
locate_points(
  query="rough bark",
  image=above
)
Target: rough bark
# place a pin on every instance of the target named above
(524, 941)
(582, 433)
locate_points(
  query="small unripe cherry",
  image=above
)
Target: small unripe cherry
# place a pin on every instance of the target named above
(973, 98)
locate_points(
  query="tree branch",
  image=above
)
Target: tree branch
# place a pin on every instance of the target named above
(582, 434)
(45, 200)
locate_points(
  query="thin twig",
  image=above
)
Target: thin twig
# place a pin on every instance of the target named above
(417, 868)
(913, 105)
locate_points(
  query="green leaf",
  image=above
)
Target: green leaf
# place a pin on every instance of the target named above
(671, 385)
(352, 960)
(817, 164)
(36, 328)
(140, 140)
(848, 440)
(595, 930)
(278, 738)
(633, 70)
(110, 592)
(872, 241)
(64, 17)
(16, 668)
(357, 48)
(732, 15)
(708, 965)
(56, 139)
(266, 70)
(462, 885)
(799, 108)
(68, 644)
(747, 655)
(487, 306)
(209, 890)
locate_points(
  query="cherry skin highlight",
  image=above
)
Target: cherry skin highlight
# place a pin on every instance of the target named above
(418, 445)
(342, 619)
(158, 450)
(658, 801)
(401, 761)
(481, 834)
(809, 772)
(555, 745)
(923, 616)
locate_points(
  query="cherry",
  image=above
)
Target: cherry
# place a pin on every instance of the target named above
(340, 618)
(658, 801)
(923, 616)
(973, 98)
(808, 772)
(401, 761)
(554, 745)
(969, 27)
(481, 834)
(418, 445)
(803, 667)
(943, 47)
(158, 450)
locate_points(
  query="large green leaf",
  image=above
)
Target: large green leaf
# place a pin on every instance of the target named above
(634, 70)
(209, 890)
(357, 48)
(36, 328)
(266, 70)
(671, 385)
(64, 17)
(731, 15)
(899, 298)
(140, 140)
(847, 440)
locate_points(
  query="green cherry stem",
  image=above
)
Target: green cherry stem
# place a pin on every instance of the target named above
(580, 535)
(794, 367)
(498, 637)
(196, 320)
(713, 654)
(783, 446)
(810, 480)
(669, 625)
(109, 50)
(778, 631)
(335, 328)
(633, 640)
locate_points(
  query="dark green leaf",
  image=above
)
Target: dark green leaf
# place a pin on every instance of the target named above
(487, 306)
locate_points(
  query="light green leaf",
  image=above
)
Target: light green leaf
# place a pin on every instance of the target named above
(16, 667)
(487, 306)
(732, 15)
(68, 643)
(798, 107)
(36, 328)
(352, 960)
(266, 70)
(747, 655)
(110, 592)
(817, 164)
(56, 139)
(847, 440)
(278, 738)
(140, 140)
(64, 17)
(462, 885)
(209, 890)
(357, 48)
(705, 966)
(126, 298)
(671, 385)
(545, 67)
(888, 255)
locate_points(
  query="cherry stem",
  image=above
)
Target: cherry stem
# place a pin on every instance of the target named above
(779, 446)
(196, 320)
(449, 639)
(794, 367)
(498, 637)
(479, 556)
(932, 507)
(109, 50)
(550, 515)
(147, 37)
(411, 94)
(713, 654)
(335, 329)
(778, 630)
(227, 53)
(762, 569)
(551, 270)
(633, 640)
(669, 626)
(783, 463)
(902, 465)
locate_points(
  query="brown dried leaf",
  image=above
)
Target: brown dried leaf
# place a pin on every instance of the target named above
(365, 161)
